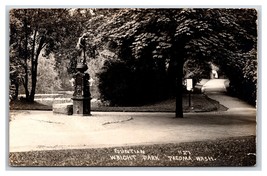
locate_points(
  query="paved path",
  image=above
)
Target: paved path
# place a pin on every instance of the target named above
(215, 85)
(233, 103)
(216, 89)
(41, 130)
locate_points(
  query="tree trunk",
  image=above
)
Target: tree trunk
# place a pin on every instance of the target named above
(33, 63)
(178, 56)
(25, 56)
(34, 78)
(25, 80)
(179, 90)
(26, 86)
(16, 91)
(34, 67)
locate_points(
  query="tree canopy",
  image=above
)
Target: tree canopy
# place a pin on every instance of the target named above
(150, 48)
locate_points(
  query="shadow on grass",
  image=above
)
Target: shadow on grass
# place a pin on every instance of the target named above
(199, 103)
(23, 105)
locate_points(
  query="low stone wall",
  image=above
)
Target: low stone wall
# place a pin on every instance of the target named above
(51, 101)
(63, 108)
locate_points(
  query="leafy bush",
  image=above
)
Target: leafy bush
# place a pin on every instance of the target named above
(125, 84)
(243, 80)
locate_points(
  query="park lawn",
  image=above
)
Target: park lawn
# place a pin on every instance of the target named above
(23, 105)
(199, 103)
(237, 151)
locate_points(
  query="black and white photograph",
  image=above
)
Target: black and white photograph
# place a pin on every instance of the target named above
(133, 87)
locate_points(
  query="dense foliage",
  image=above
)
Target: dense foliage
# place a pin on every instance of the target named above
(153, 46)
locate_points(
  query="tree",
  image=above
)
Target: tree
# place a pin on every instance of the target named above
(243, 80)
(165, 39)
(33, 31)
(16, 74)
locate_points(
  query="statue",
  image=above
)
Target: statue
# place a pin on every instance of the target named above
(81, 46)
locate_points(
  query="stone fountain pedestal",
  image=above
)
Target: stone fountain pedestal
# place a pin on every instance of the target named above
(81, 96)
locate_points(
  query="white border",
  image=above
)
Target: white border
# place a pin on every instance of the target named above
(129, 3)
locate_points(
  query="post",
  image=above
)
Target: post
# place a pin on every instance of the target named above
(189, 86)
(189, 98)
(179, 93)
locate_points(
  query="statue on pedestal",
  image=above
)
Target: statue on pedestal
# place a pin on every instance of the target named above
(81, 96)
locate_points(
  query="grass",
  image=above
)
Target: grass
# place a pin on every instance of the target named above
(199, 102)
(238, 151)
(23, 105)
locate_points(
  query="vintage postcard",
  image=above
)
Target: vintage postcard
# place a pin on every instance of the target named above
(164, 87)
